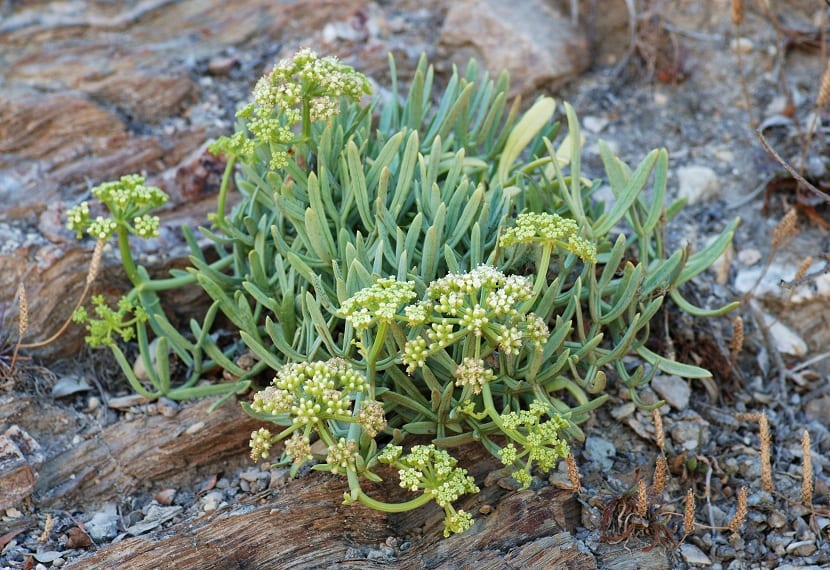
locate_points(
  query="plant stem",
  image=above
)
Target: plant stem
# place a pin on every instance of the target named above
(127, 255)
(393, 507)
(223, 191)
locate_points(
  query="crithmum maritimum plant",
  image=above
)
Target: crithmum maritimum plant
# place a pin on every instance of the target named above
(408, 270)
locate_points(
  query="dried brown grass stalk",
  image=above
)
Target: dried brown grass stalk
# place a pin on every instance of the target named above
(658, 429)
(689, 513)
(824, 88)
(740, 512)
(22, 323)
(766, 449)
(784, 229)
(737, 12)
(806, 470)
(661, 471)
(573, 473)
(737, 341)
(642, 499)
(91, 275)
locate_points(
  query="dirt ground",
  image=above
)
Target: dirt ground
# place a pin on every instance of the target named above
(690, 80)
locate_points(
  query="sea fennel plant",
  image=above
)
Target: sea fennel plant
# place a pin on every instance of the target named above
(443, 273)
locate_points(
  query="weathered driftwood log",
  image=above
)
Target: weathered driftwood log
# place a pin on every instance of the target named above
(306, 526)
(134, 453)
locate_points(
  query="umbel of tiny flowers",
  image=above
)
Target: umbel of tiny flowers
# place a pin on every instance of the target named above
(540, 441)
(377, 306)
(434, 472)
(129, 202)
(550, 231)
(108, 324)
(481, 311)
(302, 89)
(330, 398)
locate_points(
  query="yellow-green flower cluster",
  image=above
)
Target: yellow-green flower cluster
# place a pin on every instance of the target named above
(128, 200)
(378, 303)
(433, 471)
(302, 88)
(371, 417)
(342, 455)
(552, 230)
(312, 392)
(261, 441)
(305, 77)
(472, 372)
(298, 447)
(110, 323)
(483, 303)
(541, 440)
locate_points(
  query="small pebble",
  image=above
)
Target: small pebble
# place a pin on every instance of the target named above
(212, 501)
(802, 548)
(694, 555)
(742, 45)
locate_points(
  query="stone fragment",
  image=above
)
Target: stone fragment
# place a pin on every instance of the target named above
(675, 391)
(697, 183)
(104, 524)
(537, 45)
(20, 456)
(601, 451)
(694, 555)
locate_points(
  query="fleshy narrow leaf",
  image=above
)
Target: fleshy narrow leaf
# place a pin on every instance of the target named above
(533, 121)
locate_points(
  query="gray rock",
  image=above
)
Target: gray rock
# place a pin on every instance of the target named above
(697, 183)
(601, 450)
(694, 555)
(104, 524)
(537, 45)
(675, 391)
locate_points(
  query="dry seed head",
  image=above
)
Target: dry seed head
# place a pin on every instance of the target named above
(737, 12)
(48, 525)
(824, 88)
(573, 473)
(802, 269)
(785, 228)
(661, 471)
(95, 263)
(23, 313)
(740, 512)
(766, 447)
(642, 499)
(658, 429)
(737, 336)
(748, 416)
(689, 513)
(806, 470)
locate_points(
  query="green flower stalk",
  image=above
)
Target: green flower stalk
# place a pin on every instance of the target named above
(129, 202)
(550, 231)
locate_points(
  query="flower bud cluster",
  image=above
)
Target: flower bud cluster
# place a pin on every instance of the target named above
(260, 444)
(378, 303)
(541, 440)
(110, 323)
(128, 200)
(433, 471)
(551, 230)
(483, 303)
(342, 455)
(304, 87)
(312, 392)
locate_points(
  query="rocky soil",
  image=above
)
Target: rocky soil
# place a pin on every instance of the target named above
(91, 477)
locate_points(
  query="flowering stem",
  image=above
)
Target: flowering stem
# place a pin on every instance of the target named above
(542, 269)
(393, 507)
(223, 191)
(127, 255)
